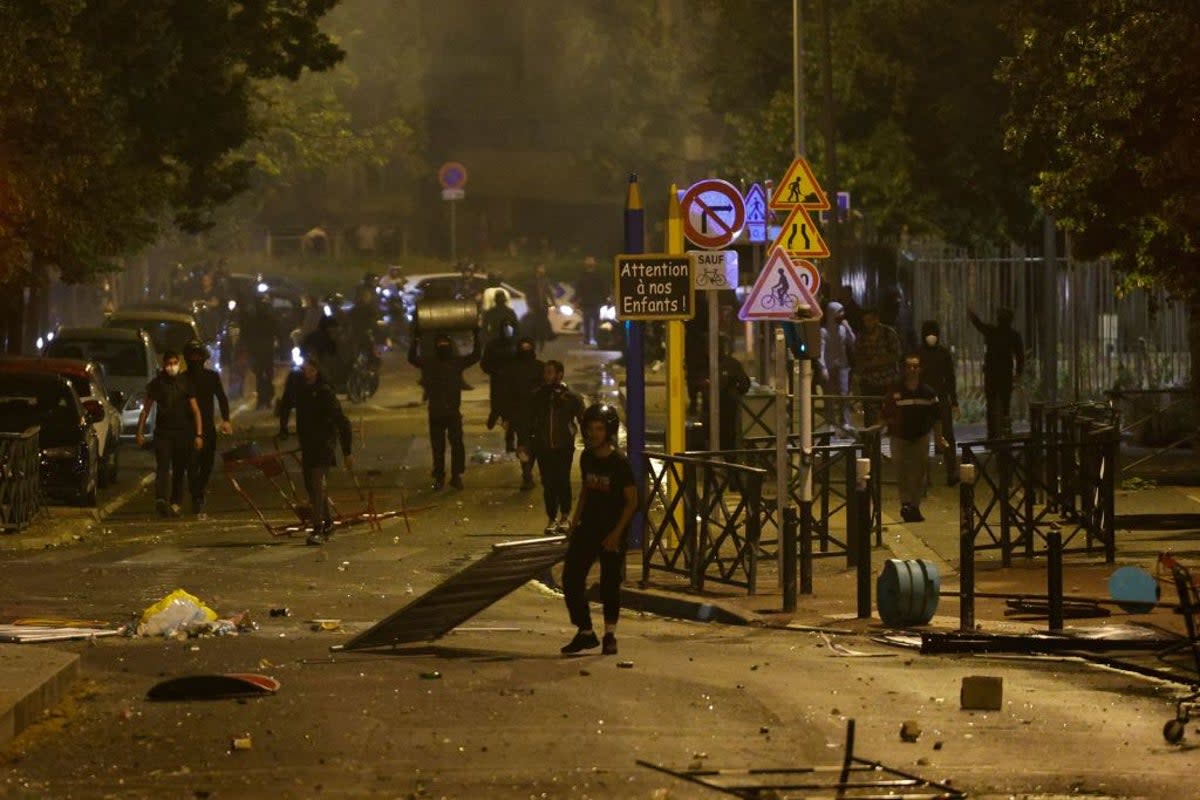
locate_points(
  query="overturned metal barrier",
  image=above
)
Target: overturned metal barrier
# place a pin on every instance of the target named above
(464, 594)
(703, 520)
(20, 479)
(854, 777)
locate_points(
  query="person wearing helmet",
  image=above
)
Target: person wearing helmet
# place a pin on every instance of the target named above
(599, 529)
(207, 389)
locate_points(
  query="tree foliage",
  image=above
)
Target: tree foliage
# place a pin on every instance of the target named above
(1106, 104)
(117, 116)
(918, 110)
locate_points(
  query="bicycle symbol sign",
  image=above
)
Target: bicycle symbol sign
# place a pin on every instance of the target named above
(713, 213)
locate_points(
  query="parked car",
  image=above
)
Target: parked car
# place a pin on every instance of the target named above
(87, 379)
(129, 360)
(70, 452)
(169, 330)
(564, 317)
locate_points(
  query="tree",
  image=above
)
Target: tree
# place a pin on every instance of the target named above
(118, 116)
(1106, 106)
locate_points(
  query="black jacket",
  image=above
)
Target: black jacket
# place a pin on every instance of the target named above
(172, 396)
(592, 289)
(554, 417)
(442, 377)
(522, 377)
(937, 370)
(320, 423)
(206, 387)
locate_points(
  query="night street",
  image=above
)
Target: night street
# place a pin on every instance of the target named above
(492, 709)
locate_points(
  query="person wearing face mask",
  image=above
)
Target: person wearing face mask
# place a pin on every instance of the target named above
(178, 432)
(937, 370)
(522, 377)
(207, 389)
(910, 409)
(553, 426)
(442, 377)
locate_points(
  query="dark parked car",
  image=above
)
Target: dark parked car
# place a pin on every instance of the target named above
(69, 448)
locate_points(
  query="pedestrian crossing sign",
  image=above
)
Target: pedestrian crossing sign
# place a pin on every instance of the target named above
(799, 187)
(799, 236)
(780, 293)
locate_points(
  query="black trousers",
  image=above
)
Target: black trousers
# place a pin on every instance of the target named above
(441, 427)
(583, 552)
(872, 409)
(315, 483)
(264, 377)
(201, 468)
(555, 468)
(173, 455)
(999, 404)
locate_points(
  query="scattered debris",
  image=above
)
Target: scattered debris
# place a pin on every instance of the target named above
(281, 612)
(25, 634)
(434, 675)
(332, 625)
(841, 650)
(242, 742)
(910, 731)
(625, 664)
(213, 687)
(982, 693)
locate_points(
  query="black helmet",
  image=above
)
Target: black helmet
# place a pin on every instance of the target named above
(606, 414)
(195, 350)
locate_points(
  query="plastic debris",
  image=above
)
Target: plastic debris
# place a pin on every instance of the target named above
(281, 612)
(243, 742)
(178, 612)
(434, 675)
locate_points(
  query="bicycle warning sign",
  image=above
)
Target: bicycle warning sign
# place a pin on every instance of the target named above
(780, 292)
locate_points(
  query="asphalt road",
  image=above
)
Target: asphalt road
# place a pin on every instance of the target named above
(492, 710)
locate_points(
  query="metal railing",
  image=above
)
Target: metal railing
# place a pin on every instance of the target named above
(20, 479)
(703, 520)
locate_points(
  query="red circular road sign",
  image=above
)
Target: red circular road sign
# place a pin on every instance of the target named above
(453, 175)
(809, 274)
(713, 213)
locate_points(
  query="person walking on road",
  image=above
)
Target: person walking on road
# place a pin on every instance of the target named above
(207, 389)
(554, 416)
(496, 361)
(911, 411)
(837, 353)
(499, 320)
(937, 370)
(539, 297)
(178, 432)
(320, 426)
(522, 377)
(442, 377)
(876, 357)
(599, 529)
(1003, 364)
(260, 327)
(590, 292)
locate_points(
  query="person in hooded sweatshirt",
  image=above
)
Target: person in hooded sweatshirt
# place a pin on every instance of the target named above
(553, 426)
(521, 378)
(837, 351)
(937, 370)
(178, 432)
(442, 377)
(1003, 363)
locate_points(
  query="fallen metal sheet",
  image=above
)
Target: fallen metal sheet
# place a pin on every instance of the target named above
(839, 649)
(1100, 640)
(455, 600)
(29, 634)
(855, 777)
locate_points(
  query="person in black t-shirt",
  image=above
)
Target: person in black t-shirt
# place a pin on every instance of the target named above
(207, 389)
(178, 432)
(599, 529)
(911, 409)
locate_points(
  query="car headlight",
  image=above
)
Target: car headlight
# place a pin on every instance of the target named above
(566, 310)
(60, 452)
(608, 312)
(297, 357)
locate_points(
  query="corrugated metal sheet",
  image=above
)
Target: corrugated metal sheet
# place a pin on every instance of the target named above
(463, 595)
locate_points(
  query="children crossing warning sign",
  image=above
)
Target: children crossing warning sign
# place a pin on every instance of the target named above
(779, 293)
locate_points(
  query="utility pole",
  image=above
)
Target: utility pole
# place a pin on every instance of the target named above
(798, 114)
(833, 274)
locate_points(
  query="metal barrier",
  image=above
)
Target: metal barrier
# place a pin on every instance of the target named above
(20, 479)
(1158, 415)
(1027, 489)
(703, 520)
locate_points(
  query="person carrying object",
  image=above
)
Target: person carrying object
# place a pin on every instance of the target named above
(442, 379)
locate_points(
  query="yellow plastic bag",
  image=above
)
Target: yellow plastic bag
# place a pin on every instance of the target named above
(178, 611)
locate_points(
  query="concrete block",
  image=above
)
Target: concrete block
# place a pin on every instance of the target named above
(981, 693)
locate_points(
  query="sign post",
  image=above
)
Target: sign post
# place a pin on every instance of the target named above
(453, 177)
(635, 364)
(715, 270)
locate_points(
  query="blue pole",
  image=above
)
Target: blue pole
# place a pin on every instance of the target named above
(635, 368)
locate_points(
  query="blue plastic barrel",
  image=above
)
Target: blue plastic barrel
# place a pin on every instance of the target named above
(907, 592)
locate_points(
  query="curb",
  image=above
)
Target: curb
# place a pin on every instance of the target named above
(24, 701)
(66, 530)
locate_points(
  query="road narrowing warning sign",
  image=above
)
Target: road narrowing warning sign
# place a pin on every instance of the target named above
(654, 286)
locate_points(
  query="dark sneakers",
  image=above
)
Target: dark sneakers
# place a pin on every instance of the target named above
(319, 535)
(582, 641)
(456, 481)
(911, 513)
(609, 643)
